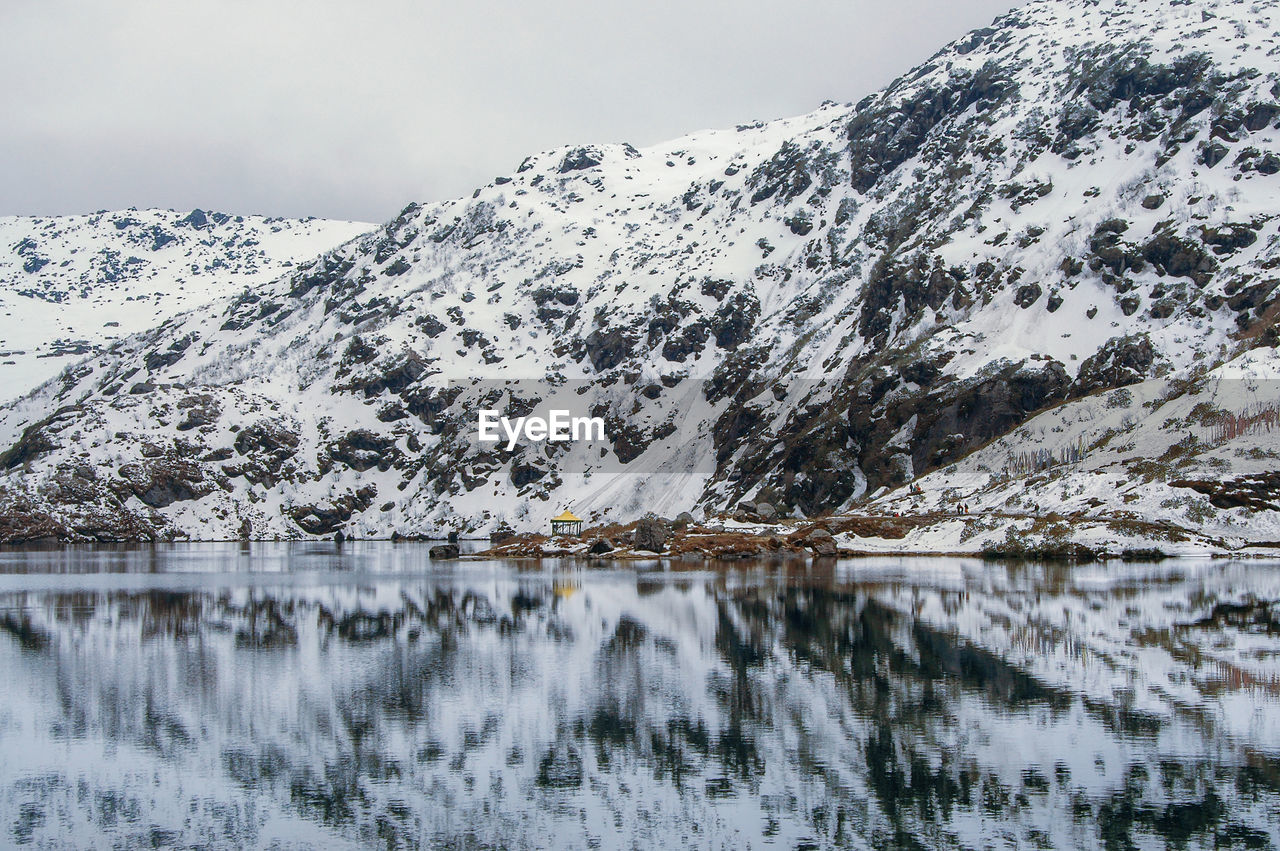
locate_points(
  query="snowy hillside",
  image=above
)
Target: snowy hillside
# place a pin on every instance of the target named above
(1080, 197)
(69, 285)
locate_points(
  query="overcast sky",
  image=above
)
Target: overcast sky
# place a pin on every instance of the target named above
(352, 109)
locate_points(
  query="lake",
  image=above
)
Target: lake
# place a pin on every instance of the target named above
(358, 695)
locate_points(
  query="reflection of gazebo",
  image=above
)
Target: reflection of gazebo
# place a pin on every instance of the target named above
(566, 524)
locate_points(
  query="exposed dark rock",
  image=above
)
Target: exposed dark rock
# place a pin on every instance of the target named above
(161, 360)
(565, 295)
(890, 129)
(328, 517)
(1172, 255)
(162, 482)
(898, 469)
(196, 219)
(580, 158)
(429, 404)
(1260, 115)
(651, 534)
(1252, 297)
(363, 450)
(601, 546)
(1229, 238)
(608, 348)
(201, 410)
(689, 341)
(734, 320)
(395, 376)
(1259, 492)
(820, 541)
(826, 450)
(430, 325)
(1027, 295)
(912, 286)
(1121, 361)
(36, 440)
(1212, 153)
(392, 412)
(444, 551)
(786, 175)
(525, 474)
(715, 287)
(800, 225)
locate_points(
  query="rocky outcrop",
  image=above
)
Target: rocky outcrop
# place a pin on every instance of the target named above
(363, 450)
(161, 482)
(326, 518)
(1120, 362)
(1260, 492)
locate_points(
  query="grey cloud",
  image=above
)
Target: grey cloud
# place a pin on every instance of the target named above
(351, 110)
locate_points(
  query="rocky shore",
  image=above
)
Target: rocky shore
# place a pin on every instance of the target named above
(996, 535)
(717, 538)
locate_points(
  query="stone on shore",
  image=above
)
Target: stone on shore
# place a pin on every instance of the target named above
(821, 542)
(651, 534)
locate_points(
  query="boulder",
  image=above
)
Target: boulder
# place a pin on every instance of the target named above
(824, 547)
(444, 551)
(651, 534)
(766, 512)
(820, 541)
(601, 546)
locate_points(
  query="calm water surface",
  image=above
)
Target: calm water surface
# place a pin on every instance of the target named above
(317, 696)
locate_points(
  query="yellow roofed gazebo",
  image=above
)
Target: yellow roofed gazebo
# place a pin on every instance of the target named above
(566, 524)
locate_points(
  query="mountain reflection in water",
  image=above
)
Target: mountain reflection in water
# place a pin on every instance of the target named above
(358, 696)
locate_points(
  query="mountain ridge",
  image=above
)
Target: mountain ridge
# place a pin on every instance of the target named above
(73, 284)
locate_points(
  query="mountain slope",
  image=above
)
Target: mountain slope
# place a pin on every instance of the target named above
(1080, 197)
(69, 285)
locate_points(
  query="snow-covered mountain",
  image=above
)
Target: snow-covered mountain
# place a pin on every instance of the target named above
(71, 285)
(1080, 197)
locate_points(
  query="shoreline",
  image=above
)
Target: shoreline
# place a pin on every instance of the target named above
(994, 536)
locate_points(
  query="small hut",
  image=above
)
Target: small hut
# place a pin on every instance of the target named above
(566, 524)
